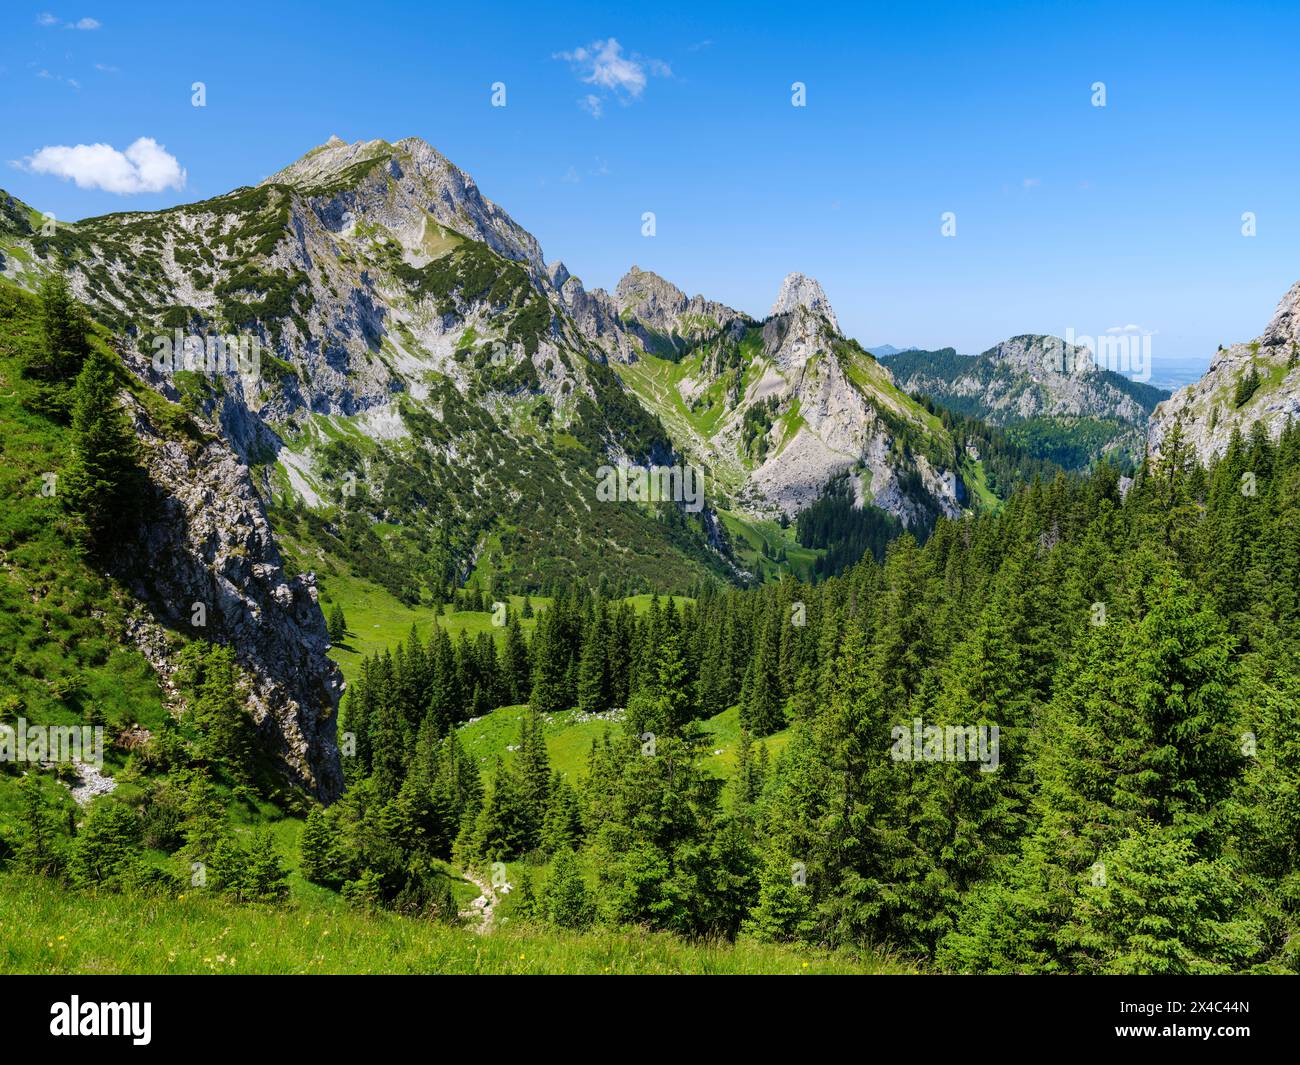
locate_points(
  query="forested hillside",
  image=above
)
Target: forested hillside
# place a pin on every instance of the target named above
(1132, 814)
(1046, 726)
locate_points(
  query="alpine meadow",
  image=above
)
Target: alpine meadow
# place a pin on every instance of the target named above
(376, 596)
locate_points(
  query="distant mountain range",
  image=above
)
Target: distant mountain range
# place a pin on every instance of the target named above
(1048, 394)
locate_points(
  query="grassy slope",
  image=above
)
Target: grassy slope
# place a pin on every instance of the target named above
(62, 660)
(748, 535)
(89, 933)
(568, 740)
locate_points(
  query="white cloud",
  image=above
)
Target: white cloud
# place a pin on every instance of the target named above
(605, 65)
(1117, 329)
(46, 19)
(1031, 183)
(144, 167)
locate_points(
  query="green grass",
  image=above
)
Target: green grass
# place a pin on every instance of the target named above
(65, 660)
(378, 620)
(748, 535)
(724, 731)
(47, 929)
(981, 495)
(568, 741)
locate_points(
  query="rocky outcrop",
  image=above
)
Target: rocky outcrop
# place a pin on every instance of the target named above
(800, 291)
(822, 404)
(205, 563)
(418, 180)
(660, 315)
(1246, 384)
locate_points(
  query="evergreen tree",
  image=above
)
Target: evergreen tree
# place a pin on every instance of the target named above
(100, 484)
(566, 902)
(318, 860)
(107, 849)
(338, 625)
(63, 331)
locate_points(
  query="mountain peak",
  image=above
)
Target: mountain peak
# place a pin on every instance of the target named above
(1284, 326)
(418, 185)
(638, 286)
(797, 290)
(326, 160)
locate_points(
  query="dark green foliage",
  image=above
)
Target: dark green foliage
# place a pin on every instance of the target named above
(64, 325)
(846, 532)
(565, 903)
(338, 624)
(107, 848)
(1246, 387)
(101, 483)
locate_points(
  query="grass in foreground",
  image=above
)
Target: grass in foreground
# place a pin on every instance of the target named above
(47, 929)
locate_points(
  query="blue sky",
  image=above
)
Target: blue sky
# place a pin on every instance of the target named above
(1068, 216)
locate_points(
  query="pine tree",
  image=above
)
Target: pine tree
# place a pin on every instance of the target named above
(563, 824)
(63, 331)
(762, 711)
(100, 485)
(107, 849)
(503, 825)
(338, 625)
(593, 683)
(784, 910)
(41, 847)
(516, 668)
(227, 730)
(266, 878)
(550, 665)
(318, 861)
(566, 902)
(532, 770)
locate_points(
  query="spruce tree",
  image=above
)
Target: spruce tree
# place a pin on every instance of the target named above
(100, 485)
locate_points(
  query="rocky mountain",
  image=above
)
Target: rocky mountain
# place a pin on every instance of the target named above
(418, 364)
(659, 315)
(774, 409)
(799, 291)
(1054, 388)
(362, 365)
(417, 344)
(1247, 384)
(205, 563)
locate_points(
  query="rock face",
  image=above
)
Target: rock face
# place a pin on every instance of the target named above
(658, 313)
(1023, 377)
(206, 563)
(1246, 384)
(1284, 327)
(785, 405)
(799, 291)
(423, 183)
